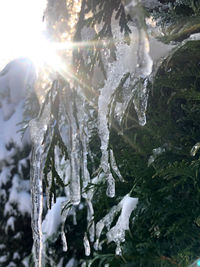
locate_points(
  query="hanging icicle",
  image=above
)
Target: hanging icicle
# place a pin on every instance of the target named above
(41, 130)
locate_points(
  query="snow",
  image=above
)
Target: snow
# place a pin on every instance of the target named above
(18, 76)
(10, 224)
(16, 255)
(16, 82)
(9, 130)
(26, 262)
(53, 219)
(11, 264)
(18, 195)
(117, 232)
(4, 175)
(3, 258)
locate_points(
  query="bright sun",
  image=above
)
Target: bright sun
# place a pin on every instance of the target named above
(21, 30)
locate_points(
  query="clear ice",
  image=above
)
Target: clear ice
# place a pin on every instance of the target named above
(117, 232)
(40, 131)
(77, 124)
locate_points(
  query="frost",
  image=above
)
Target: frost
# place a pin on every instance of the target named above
(52, 219)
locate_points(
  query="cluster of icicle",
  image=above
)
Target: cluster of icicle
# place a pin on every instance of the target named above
(78, 123)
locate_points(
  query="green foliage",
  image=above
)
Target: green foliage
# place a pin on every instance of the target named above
(165, 225)
(102, 12)
(178, 19)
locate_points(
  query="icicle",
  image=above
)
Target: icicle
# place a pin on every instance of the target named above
(90, 219)
(104, 135)
(64, 214)
(74, 216)
(144, 61)
(114, 166)
(85, 133)
(86, 245)
(38, 128)
(111, 186)
(194, 149)
(48, 193)
(67, 178)
(140, 98)
(99, 228)
(116, 233)
(105, 222)
(37, 206)
(73, 147)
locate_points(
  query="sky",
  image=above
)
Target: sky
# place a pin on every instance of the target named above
(21, 28)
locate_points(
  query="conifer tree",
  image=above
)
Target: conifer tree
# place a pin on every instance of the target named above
(148, 149)
(18, 104)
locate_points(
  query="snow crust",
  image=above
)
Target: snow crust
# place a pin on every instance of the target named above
(52, 219)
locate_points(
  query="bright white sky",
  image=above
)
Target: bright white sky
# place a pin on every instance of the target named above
(21, 28)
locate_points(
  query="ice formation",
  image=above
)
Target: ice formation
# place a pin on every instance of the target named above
(79, 114)
(117, 232)
(194, 149)
(41, 139)
(77, 124)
